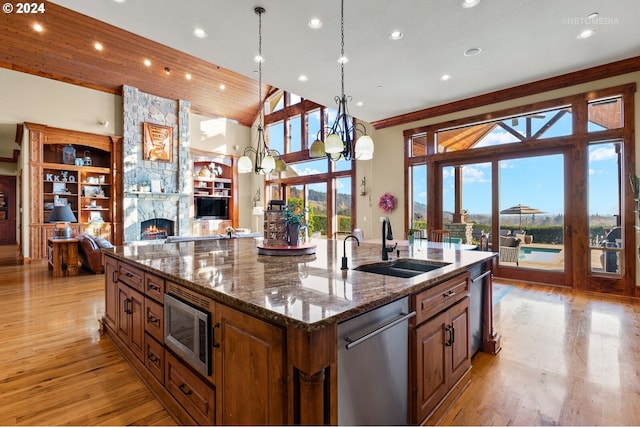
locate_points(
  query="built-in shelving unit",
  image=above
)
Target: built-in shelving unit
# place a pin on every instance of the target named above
(75, 168)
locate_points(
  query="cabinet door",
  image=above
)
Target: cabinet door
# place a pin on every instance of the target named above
(431, 364)
(111, 292)
(130, 321)
(137, 323)
(249, 370)
(461, 343)
(123, 321)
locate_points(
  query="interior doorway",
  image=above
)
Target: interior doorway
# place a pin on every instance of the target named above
(8, 218)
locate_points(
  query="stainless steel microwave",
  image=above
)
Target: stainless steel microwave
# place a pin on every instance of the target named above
(187, 332)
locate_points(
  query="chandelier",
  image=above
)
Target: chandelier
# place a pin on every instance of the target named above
(339, 142)
(264, 158)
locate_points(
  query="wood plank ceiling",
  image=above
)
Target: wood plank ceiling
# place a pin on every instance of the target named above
(65, 51)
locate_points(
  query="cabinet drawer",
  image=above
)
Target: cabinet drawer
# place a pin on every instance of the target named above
(154, 319)
(154, 357)
(193, 393)
(154, 287)
(131, 276)
(433, 300)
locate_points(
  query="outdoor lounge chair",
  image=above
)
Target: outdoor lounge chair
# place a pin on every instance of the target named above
(509, 249)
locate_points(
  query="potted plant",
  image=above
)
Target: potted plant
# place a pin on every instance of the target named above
(411, 234)
(294, 218)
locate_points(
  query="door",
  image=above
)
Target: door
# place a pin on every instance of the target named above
(250, 373)
(7, 210)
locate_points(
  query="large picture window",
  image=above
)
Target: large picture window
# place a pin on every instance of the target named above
(546, 185)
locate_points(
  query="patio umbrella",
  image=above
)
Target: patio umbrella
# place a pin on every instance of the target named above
(519, 210)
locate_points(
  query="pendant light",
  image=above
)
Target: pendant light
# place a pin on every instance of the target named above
(339, 142)
(264, 158)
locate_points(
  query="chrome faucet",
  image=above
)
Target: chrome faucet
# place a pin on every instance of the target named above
(344, 250)
(387, 234)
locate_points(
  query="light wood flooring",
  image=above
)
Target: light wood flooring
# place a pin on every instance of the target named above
(568, 358)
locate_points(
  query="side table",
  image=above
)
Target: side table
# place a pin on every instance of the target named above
(63, 257)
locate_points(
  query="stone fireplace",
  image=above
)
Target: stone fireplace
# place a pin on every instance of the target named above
(170, 198)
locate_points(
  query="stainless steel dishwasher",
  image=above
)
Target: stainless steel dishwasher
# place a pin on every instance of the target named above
(372, 366)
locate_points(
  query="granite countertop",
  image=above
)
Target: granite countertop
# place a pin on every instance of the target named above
(304, 291)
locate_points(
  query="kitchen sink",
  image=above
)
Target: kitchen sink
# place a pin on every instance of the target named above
(401, 268)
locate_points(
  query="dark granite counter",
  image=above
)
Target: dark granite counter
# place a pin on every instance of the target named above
(307, 292)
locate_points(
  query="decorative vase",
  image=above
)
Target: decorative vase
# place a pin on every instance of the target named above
(293, 232)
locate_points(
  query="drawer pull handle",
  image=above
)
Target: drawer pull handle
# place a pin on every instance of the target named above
(153, 319)
(184, 389)
(129, 275)
(114, 276)
(449, 294)
(153, 287)
(152, 358)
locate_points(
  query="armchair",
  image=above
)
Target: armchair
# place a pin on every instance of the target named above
(509, 249)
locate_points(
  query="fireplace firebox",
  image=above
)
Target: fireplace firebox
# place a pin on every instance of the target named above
(156, 228)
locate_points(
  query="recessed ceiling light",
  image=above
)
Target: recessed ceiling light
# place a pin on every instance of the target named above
(222, 87)
(38, 28)
(199, 33)
(586, 34)
(315, 23)
(470, 3)
(167, 70)
(396, 35)
(473, 51)
(187, 76)
(303, 78)
(593, 15)
(343, 60)
(258, 58)
(119, 1)
(98, 46)
(445, 77)
(147, 62)
(359, 104)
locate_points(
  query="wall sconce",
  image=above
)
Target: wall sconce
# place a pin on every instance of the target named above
(363, 190)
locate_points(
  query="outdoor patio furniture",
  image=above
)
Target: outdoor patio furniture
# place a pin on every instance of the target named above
(509, 249)
(440, 236)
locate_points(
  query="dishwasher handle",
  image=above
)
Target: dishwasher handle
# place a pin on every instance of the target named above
(352, 343)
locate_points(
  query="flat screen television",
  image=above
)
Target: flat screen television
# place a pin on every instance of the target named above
(212, 207)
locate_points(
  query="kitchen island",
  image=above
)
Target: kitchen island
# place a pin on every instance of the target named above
(274, 323)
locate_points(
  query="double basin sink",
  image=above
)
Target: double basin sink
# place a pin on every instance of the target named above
(401, 267)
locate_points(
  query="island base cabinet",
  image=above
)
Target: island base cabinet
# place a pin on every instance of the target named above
(130, 321)
(441, 357)
(250, 370)
(193, 393)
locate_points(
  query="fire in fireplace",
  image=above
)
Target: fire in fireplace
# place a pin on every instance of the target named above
(156, 228)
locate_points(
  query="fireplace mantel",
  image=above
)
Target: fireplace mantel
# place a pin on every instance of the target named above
(155, 196)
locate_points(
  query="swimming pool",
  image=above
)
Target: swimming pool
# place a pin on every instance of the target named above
(536, 254)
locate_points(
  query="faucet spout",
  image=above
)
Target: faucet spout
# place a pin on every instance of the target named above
(344, 250)
(387, 234)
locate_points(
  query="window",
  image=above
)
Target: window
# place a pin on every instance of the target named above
(292, 125)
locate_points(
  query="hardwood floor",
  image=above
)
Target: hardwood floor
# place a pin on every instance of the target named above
(568, 358)
(56, 369)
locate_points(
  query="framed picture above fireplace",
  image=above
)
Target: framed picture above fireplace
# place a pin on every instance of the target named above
(157, 142)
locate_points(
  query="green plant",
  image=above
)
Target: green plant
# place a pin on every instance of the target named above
(294, 214)
(410, 232)
(634, 181)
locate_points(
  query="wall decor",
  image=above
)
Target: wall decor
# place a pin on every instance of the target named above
(157, 142)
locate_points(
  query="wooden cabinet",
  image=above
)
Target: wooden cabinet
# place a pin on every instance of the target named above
(111, 292)
(193, 393)
(249, 370)
(130, 319)
(440, 346)
(78, 169)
